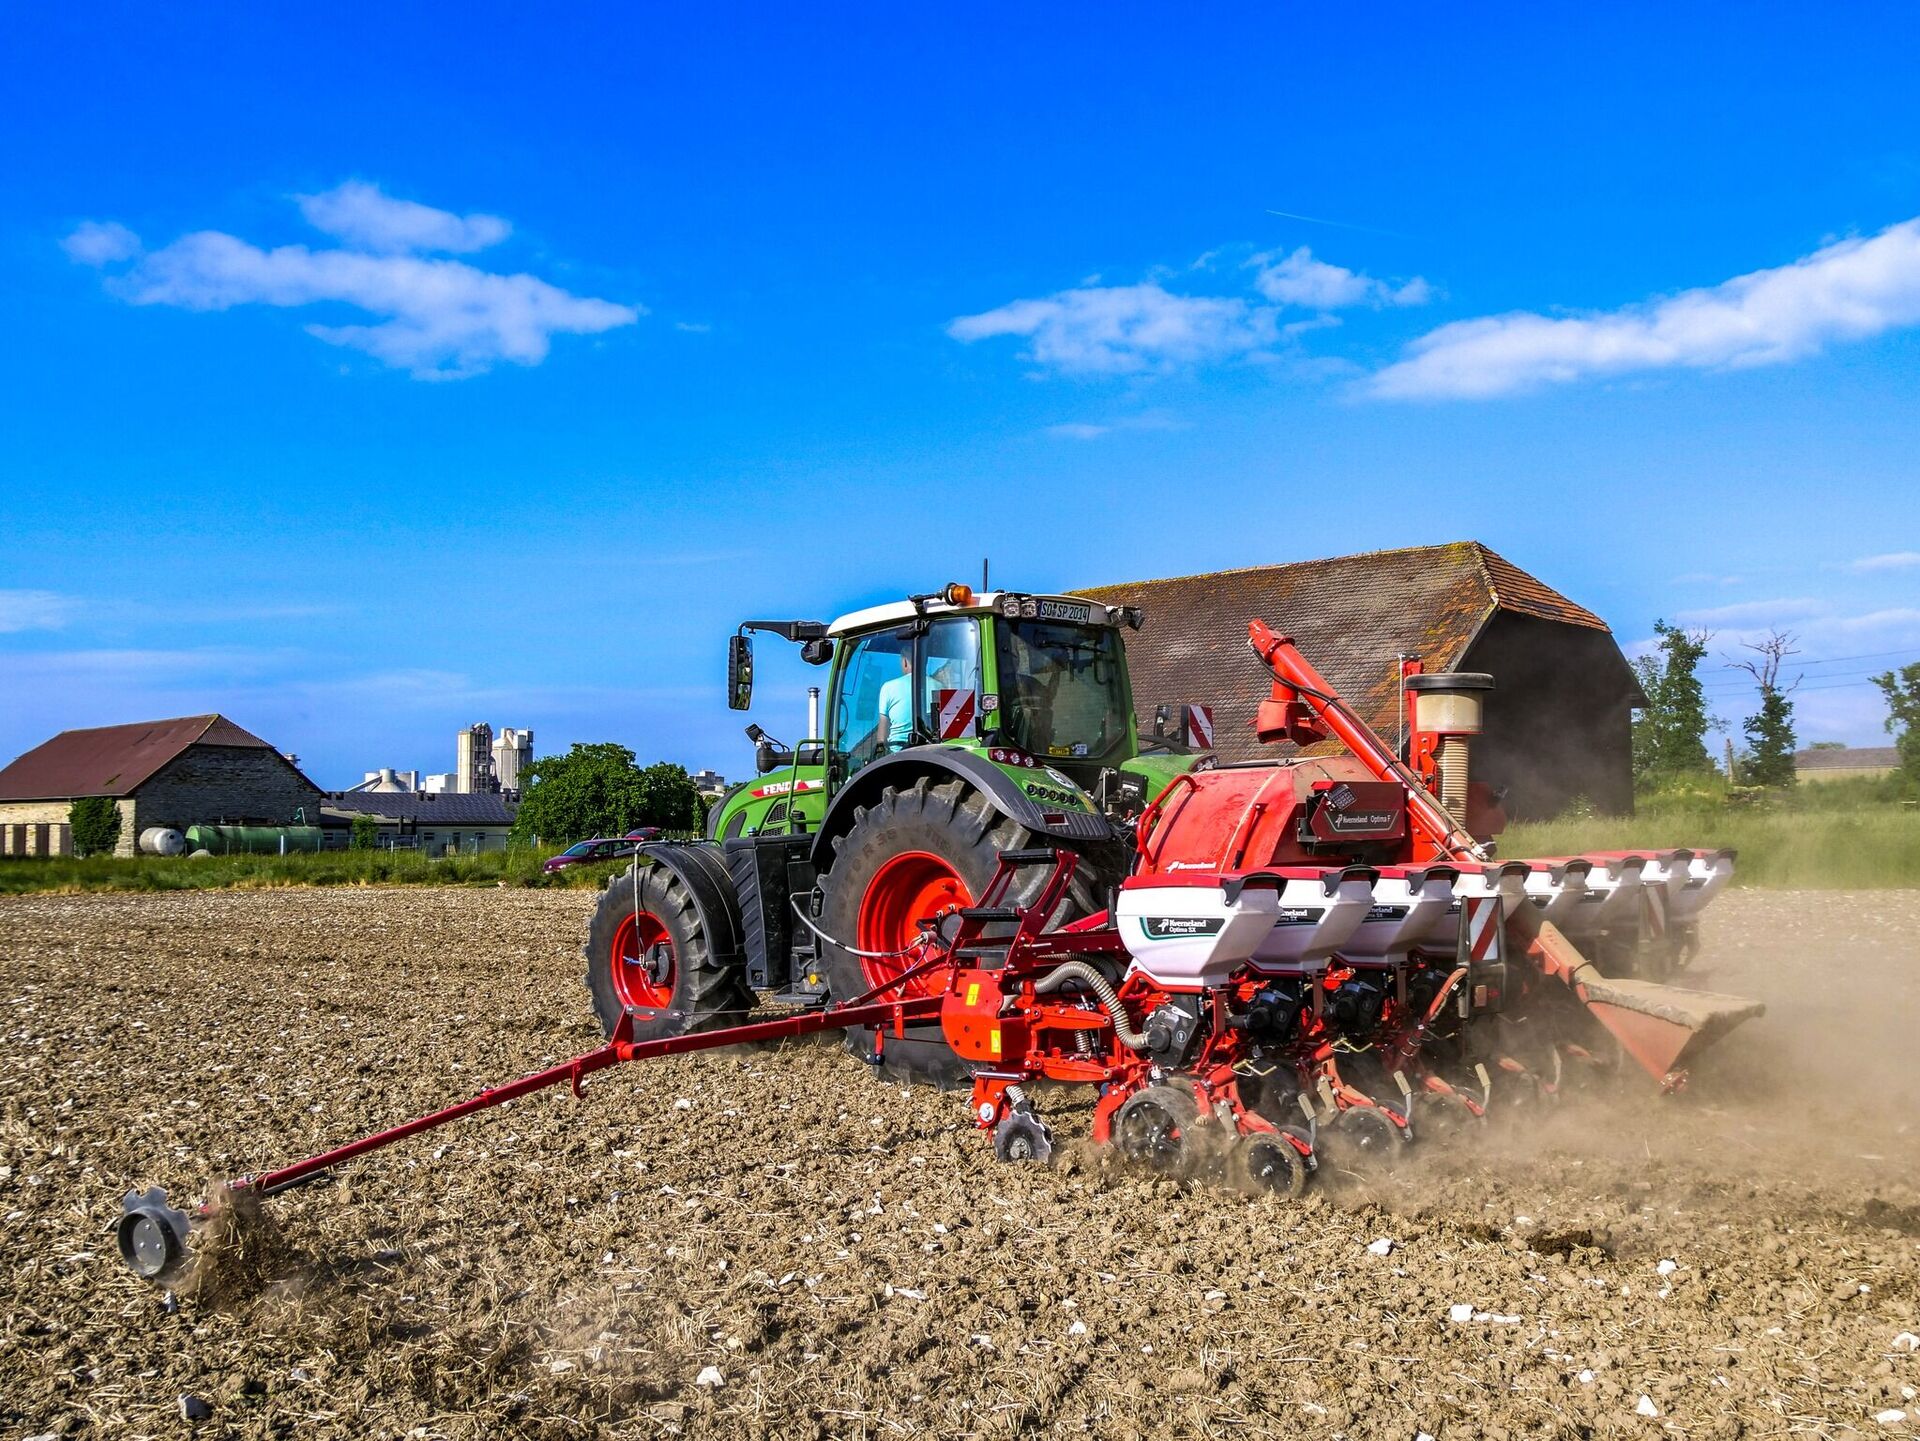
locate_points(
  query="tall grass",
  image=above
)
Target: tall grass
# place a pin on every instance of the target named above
(518, 866)
(1835, 836)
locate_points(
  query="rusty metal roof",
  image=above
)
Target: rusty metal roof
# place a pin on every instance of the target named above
(1351, 615)
(113, 760)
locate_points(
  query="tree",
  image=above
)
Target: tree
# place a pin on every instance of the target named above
(363, 833)
(1770, 729)
(667, 797)
(1902, 690)
(1669, 732)
(95, 822)
(600, 790)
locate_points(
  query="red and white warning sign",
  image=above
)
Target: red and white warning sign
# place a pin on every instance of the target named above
(953, 714)
(1653, 915)
(1200, 727)
(1483, 916)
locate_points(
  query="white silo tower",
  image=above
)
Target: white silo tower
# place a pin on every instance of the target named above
(512, 754)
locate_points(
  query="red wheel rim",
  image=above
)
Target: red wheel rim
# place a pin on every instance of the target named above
(644, 968)
(911, 887)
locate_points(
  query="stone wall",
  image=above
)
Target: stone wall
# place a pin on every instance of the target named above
(36, 828)
(221, 783)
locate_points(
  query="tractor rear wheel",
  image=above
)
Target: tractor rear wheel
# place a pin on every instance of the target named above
(915, 854)
(648, 949)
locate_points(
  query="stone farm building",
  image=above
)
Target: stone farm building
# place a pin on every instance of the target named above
(176, 773)
(1558, 722)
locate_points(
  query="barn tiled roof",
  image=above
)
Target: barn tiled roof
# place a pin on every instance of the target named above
(1351, 615)
(113, 760)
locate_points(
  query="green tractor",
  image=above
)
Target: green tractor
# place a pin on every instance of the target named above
(958, 726)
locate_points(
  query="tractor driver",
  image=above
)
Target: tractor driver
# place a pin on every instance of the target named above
(896, 695)
(896, 706)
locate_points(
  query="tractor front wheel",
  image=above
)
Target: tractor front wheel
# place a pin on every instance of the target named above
(648, 951)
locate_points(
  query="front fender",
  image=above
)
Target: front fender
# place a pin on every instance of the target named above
(702, 869)
(937, 763)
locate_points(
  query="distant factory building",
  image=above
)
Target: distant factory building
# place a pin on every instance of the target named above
(484, 763)
(413, 820)
(1558, 722)
(710, 784)
(174, 773)
(387, 779)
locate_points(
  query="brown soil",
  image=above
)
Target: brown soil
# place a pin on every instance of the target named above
(847, 1254)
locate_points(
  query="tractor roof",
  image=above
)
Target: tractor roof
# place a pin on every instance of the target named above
(895, 611)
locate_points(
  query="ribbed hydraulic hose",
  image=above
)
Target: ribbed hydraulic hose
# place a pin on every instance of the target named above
(1103, 992)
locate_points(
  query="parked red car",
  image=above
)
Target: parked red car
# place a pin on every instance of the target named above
(585, 853)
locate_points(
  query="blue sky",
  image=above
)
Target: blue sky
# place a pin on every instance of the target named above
(374, 377)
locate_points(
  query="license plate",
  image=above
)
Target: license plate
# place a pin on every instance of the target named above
(1065, 610)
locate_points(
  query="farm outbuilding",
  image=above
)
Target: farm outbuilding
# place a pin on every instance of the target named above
(1558, 722)
(424, 820)
(174, 773)
(1845, 763)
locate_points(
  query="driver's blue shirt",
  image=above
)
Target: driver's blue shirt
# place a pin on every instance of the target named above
(896, 709)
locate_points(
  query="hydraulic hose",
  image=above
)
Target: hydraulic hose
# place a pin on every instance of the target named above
(1103, 992)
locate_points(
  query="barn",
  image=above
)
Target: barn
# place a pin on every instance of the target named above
(1558, 723)
(174, 773)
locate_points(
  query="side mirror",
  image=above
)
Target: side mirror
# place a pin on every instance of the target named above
(739, 672)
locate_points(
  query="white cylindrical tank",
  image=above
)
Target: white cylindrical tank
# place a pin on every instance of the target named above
(162, 841)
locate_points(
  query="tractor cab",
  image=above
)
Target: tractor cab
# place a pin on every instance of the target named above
(1033, 686)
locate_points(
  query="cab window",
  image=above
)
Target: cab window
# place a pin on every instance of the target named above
(1063, 688)
(950, 664)
(873, 702)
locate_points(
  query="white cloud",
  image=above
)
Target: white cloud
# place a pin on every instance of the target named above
(1146, 420)
(1125, 329)
(93, 242)
(1893, 560)
(1846, 291)
(1771, 612)
(33, 610)
(440, 319)
(1298, 279)
(366, 217)
(1893, 618)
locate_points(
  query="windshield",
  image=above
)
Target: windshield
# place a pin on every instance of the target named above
(579, 848)
(1062, 688)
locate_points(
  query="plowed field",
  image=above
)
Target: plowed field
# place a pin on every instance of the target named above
(846, 1256)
